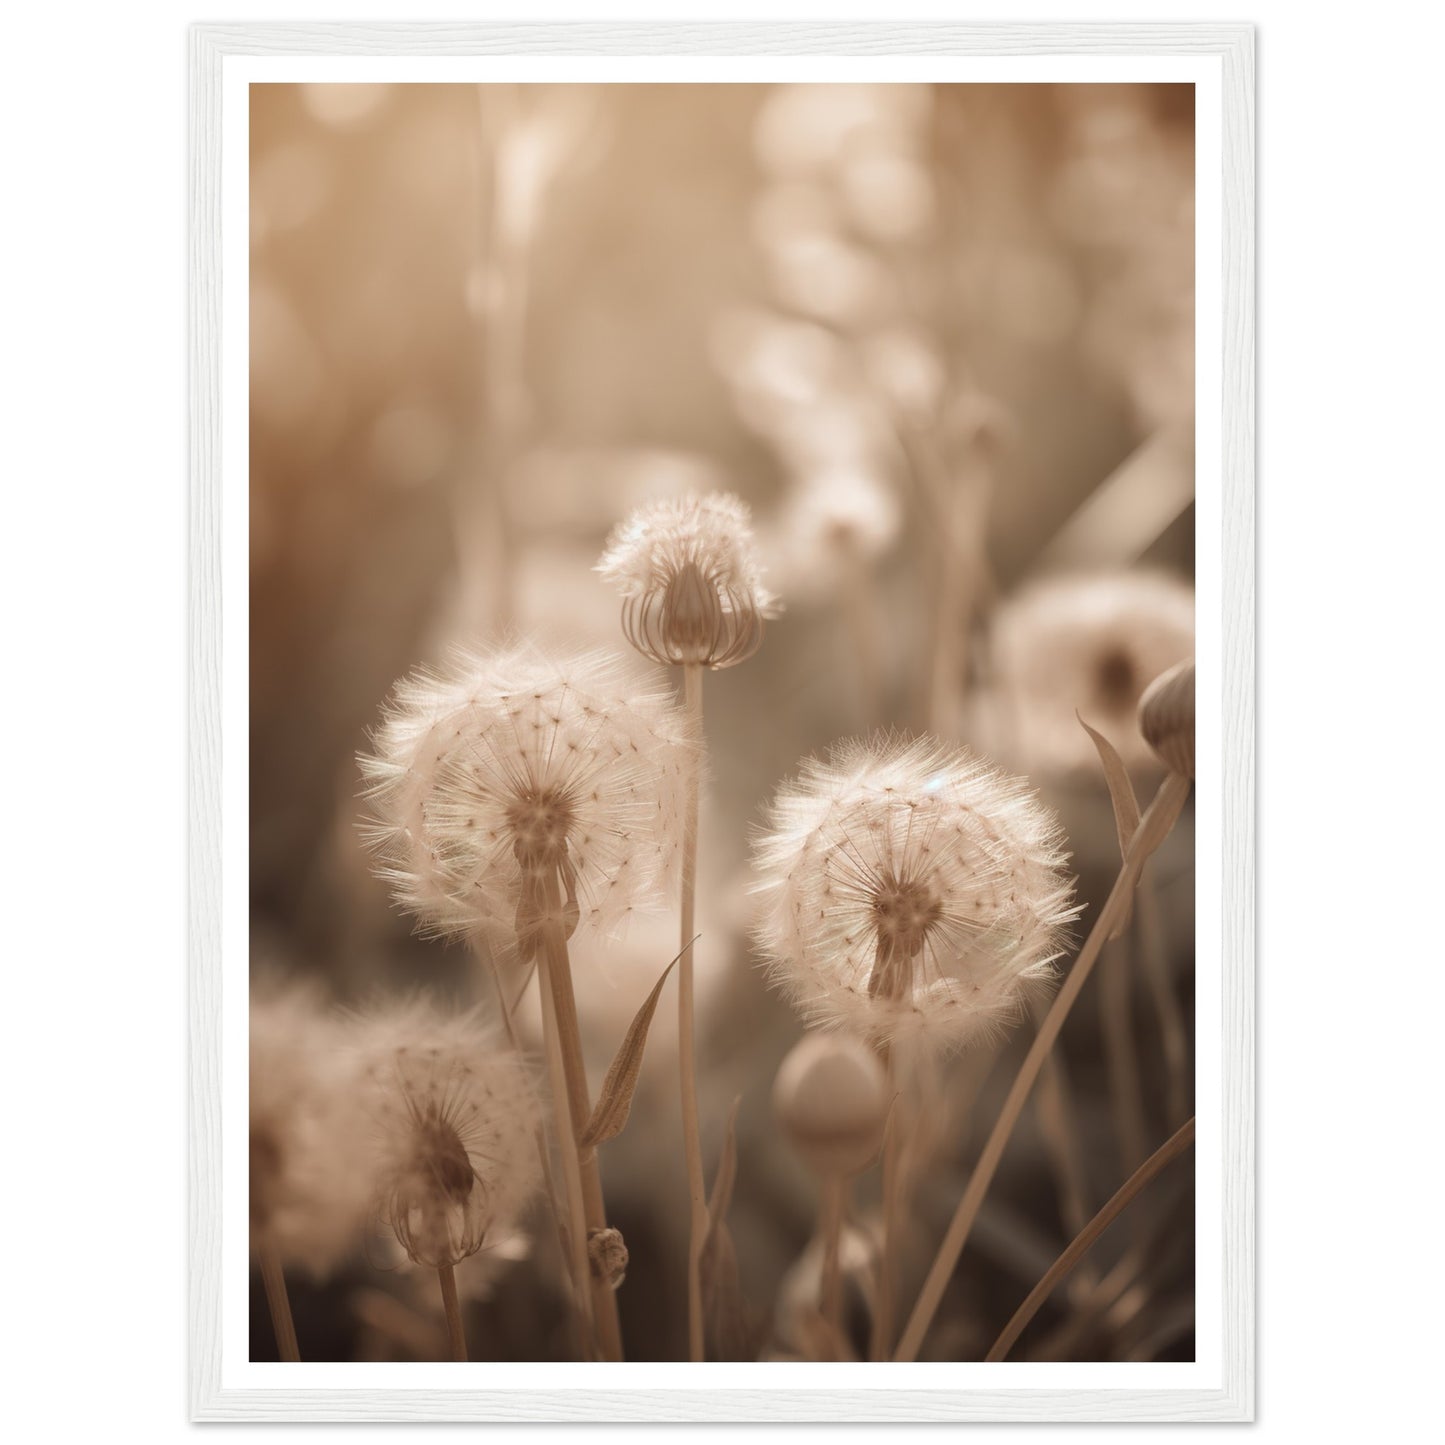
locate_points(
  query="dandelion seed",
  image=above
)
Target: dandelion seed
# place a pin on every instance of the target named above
(912, 893)
(691, 585)
(516, 766)
(452, 1125)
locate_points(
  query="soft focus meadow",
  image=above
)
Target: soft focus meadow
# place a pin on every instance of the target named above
(722, 722)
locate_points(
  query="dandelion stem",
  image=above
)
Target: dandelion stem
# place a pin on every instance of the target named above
(1172, 1032)
(1165, 808)
(1148, 1171)
(506, 1009)
(566, 1148)
(882, 1333)
(453, 1308)
(1121, 1053)
(686, 1056)
(832, 1207)
(1058, 1127)
(557, 983)
(279, 1304)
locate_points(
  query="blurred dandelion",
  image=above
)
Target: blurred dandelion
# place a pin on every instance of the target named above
(1086, 645)
(308, 1179)
(452, 1118)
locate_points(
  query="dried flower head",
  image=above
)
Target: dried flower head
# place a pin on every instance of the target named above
(912, 892)
(1090, 645)
(692, 590)
(453, 1123)
(835, 525)
(521, 767)
(308, 1181)
(1166, 718)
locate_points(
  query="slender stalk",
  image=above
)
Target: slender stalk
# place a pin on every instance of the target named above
(1058, 1128)
(1149, 1170)
(1152, 827)
(571, 1170)
(1150, 933)
(557, 985)
(452, 1306)
(539, 1138)
(1121, 1053)
(881, 1341)
(686, 1055)
(279, 1304)
(832, 1207)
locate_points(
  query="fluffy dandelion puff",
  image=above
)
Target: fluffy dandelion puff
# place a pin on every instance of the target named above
(1086, 644)
(309, 1186)
(835, 526)
(692, 588)
(516, 765)
(452, 1124)
(912, 893)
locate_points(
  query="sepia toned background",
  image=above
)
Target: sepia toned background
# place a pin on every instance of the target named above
(487, 322)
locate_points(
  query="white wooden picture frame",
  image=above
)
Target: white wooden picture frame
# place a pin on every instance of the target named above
(223, 1386)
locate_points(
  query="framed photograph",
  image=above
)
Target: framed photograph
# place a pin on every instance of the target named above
(722, 722)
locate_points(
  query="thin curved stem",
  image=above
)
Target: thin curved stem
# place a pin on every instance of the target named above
(1145, 1174)
(1154, 825)
(455, 1333)
(557, 983)
(1149, 928)
(539, 1139)
(884, 1306)
(567, 1151)
(686, 1055)
(279, 1303)
(833, 1205)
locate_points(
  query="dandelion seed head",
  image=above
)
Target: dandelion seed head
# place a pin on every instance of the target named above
(692, 588)
(308, 1180)
(912, 893)
(516, 763)
(452, 1117)
(1086, 644)
(837, 522)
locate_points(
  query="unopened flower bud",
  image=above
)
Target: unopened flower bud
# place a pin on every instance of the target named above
(607, 1254)
(1166, 718)
(832, 1099)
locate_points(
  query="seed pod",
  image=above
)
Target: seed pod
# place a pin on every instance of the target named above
(607, 1255)
(832, 1099)
(1166, 717)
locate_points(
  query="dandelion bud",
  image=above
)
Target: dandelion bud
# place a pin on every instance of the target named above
(607, 1254)
(1166, 718)
(691, 586)
(913, 893)
(832, 1099)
